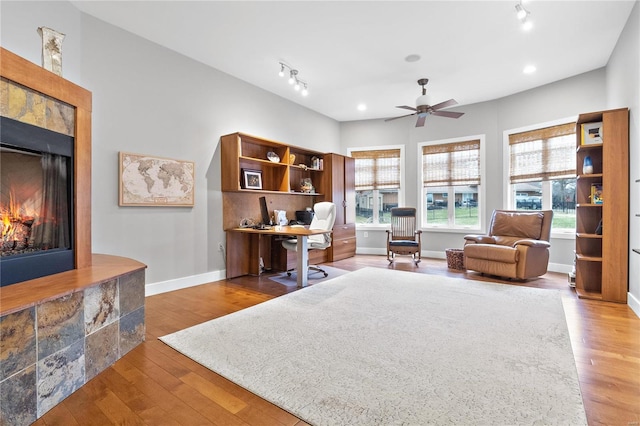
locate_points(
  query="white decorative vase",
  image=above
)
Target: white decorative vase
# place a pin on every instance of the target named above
(51, 50)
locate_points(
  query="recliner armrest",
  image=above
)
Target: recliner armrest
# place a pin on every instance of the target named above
(479, 239)
(533, 243)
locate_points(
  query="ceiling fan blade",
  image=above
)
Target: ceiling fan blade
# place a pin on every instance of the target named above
(421, 120)
(402, 116)
(406, 107)
(444, 104)
(449, 114)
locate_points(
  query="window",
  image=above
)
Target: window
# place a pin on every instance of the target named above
(451, 184)
(378, 183)
(542, 173)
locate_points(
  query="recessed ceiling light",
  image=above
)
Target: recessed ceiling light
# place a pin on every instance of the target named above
(412, 58)
(362, 107)
(529, 69)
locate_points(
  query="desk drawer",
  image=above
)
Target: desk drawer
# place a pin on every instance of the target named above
(341, 232)
(344, 248)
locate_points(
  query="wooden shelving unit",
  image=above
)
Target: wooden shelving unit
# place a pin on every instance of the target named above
(602, 260)
(245, 152)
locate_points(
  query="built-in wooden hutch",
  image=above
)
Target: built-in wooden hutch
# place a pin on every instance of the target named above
(332, 176)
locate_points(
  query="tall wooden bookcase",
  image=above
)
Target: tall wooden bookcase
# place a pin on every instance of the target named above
(602, 258)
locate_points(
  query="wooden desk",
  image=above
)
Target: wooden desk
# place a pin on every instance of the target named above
(244, 253)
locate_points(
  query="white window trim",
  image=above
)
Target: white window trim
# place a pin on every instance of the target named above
(506, 195)
(481, 193)
(402, 178)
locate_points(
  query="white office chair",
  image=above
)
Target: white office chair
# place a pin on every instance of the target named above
(324, 218)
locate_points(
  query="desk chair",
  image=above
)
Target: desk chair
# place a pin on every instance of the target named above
(324, 218)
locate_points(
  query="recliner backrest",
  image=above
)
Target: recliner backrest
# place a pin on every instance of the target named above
(534, 225)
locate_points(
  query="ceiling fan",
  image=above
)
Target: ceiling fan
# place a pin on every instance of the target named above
(422, 109)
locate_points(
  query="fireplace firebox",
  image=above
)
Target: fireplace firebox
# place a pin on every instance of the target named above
(36, 196)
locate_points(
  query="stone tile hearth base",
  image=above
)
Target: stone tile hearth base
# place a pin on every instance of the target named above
(50, 350)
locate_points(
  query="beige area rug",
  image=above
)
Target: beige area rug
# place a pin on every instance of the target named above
(314, 277)
(383, 347)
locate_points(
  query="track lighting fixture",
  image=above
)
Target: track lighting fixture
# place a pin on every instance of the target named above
(294, 80)
(523, 16)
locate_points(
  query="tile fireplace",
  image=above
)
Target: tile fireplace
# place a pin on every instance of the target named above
(62, 329)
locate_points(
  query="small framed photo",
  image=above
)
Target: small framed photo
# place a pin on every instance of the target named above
(591, 133)
(251, 179)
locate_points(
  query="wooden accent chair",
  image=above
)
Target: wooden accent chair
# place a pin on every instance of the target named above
(324, 218)
(517, 245)
(404, 238)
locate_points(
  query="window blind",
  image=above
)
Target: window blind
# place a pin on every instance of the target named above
(451, 164)
(377, 169)
(543, 154)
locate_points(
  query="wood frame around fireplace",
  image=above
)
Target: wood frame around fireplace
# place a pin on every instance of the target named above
(28, 74)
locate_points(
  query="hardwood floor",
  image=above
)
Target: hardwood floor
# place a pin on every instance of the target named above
(153, 384)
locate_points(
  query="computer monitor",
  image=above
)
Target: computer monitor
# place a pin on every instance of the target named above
(266, 218)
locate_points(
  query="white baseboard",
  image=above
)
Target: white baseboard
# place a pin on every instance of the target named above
(553, 267)
(559, 267)
(184, 282)
(633, 303)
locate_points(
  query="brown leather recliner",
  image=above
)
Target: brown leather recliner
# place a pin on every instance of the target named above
(517, 245)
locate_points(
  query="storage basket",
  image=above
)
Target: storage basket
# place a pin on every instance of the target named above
(455, 258)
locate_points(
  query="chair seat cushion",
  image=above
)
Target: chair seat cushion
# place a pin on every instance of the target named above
(403, 243)
(492, 252)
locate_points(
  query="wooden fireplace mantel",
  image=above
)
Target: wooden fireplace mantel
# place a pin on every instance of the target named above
(34, 77)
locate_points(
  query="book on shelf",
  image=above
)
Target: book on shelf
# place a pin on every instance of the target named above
(596, 193)
(591, 133)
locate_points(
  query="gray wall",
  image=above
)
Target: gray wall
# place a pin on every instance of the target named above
(150, 100)
(562, 99)
(623, 90)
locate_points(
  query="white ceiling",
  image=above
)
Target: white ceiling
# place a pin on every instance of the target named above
(352, 52)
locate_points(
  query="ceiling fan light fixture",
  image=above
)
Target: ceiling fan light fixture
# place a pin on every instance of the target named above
(423, 109)
(422, 100)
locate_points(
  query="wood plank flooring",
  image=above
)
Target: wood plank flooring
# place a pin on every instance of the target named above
(155, 385)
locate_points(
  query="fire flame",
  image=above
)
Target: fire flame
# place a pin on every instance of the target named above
(9, 216)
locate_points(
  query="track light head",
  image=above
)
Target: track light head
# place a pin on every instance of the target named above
(521, 12)
(292, 76)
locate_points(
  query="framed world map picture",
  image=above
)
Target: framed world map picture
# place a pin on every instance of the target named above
(155, 181)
